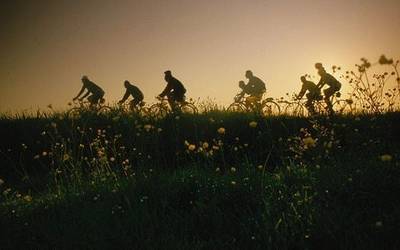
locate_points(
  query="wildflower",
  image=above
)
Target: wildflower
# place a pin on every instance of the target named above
(309, 142)
(112, 159)
(253, 124)
(186, 143)
(233, 169)
(205, 145)
(7, 191)
(215, 147)
(217, 169)
(1, 182)
(147, 127)
(233, 182)
(192, 147)
(81, 145)
(44, 153)
(386, 157)
(66, 157)
(260, 167)
(27, 198)
(221, 131)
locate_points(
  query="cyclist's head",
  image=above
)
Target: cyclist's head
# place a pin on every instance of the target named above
(127, 83)
(319, 66)
(168, 75)
(85, 78)
(303, 78)
(241, 84)
(249, 74)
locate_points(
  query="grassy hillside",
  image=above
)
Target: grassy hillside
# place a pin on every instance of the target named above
(216, 180)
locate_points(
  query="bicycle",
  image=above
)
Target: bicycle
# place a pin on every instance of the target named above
(162, 108)
(81, 107)
(266, 107)
(129, 107)
(297, 107)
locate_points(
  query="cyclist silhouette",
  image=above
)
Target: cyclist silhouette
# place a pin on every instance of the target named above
(328, 79)
(132, 90)
(255, 88)
(96, 93)
(313, 94)
(175, 91)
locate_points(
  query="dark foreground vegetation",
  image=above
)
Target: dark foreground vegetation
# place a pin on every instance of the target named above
(216, 180)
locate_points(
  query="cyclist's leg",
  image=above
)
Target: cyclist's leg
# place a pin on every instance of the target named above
(310, 103)
(93, 100)
(171, 100)
(328, 93)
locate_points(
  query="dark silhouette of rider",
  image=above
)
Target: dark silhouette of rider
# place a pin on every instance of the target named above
(175, 91)
(96, 93)
(132, 90)
(255, 88)
(313, 94)
(328, 79)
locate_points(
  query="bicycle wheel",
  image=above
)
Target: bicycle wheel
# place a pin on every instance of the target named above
(295, 109)
(236, 107)
(271, 108)
(158, 110)
(188, 108)
(104, 110)
(343, 106)
(74, 113)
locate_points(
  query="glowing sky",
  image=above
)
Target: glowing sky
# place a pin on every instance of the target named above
(46, 46)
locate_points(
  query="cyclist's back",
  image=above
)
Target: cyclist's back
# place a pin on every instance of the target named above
(92, 87)
(134, 91)
(330, 80)
(255, 86)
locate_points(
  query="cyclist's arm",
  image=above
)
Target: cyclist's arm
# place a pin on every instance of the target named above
(80, 92)
(125, 96)
(301, 94)
(166, 90)
(85, 95)
(321, 83)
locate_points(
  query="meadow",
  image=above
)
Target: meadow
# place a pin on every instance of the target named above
(215, 180)
(211, 180)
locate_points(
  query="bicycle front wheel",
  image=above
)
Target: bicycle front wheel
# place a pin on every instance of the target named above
(271, 108)
(295, 109)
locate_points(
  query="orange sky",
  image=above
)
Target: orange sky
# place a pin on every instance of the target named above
(46, 46)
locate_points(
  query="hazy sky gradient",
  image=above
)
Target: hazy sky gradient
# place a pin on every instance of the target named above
(46, 46)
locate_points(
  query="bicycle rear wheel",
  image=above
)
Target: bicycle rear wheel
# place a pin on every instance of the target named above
(188, 108)
(236, 107)
(343, 106)
(104, 110)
